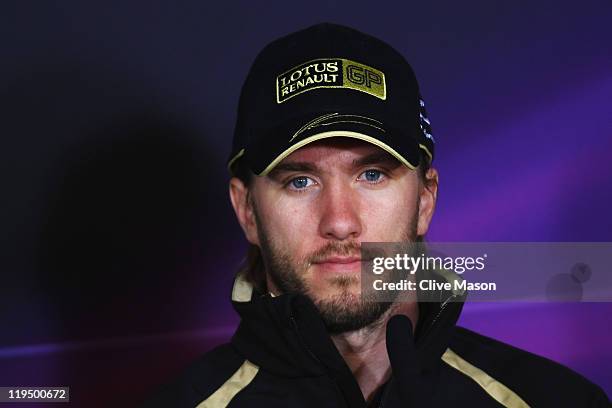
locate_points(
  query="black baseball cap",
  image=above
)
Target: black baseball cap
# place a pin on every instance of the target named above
(326, 81)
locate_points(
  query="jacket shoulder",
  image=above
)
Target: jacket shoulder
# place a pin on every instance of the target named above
(537, 380)
(199, 380)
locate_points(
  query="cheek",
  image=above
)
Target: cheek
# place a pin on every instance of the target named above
(388, 213)
(288, 222)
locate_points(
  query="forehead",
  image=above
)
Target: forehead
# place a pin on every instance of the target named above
(337, 150)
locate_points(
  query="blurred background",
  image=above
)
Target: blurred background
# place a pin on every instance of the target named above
(118, 241)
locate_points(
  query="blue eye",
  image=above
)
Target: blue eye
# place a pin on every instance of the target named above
(372, 176)
(300, 182)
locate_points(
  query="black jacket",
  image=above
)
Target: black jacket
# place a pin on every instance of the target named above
(282, 356)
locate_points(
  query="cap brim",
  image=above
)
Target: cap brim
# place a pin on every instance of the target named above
(276, 144)
(336, 133)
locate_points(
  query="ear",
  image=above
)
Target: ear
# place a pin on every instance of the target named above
(428, 194)
(239, 195)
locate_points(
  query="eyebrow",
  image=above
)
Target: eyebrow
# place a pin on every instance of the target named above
(377, 158)
(371, 159)
(292, 166)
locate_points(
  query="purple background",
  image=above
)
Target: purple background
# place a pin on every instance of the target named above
(119, 244)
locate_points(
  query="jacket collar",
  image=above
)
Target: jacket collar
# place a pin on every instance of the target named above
(285, 334)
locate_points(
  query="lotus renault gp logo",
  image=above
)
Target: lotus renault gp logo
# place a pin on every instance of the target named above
(330, 73)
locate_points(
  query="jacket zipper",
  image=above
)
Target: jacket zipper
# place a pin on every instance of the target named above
(442, 307)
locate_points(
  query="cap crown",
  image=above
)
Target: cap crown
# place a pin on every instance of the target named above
(325, 69)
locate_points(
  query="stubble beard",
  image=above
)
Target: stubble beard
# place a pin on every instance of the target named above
(344, 311)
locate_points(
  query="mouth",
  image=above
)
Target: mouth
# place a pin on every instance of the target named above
(339, 264)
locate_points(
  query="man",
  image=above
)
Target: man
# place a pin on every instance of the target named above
(333, 148)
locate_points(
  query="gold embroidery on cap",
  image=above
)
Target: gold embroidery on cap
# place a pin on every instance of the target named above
(330, 73)
(334, 118)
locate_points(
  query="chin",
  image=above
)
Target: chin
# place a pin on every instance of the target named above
(339, 299)
(340, 289)
(345, 311)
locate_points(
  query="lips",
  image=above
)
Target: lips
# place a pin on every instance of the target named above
(340, 260)
(342, 264)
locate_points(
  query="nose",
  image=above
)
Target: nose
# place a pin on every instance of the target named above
(340, 215)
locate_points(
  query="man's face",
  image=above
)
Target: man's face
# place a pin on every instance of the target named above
(311, 213)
